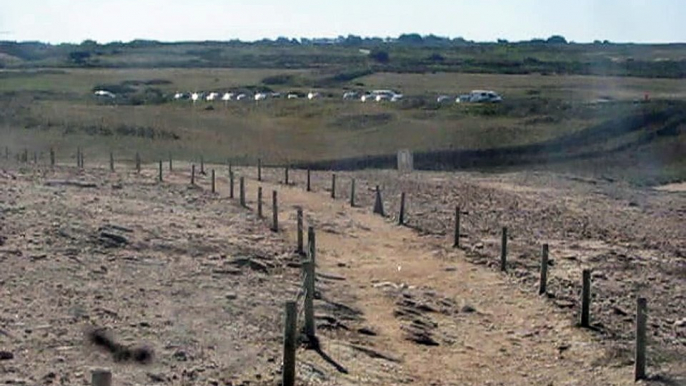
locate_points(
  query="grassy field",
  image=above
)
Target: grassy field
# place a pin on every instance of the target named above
(55, 108)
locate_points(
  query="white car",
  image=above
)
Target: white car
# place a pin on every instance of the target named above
(480, 96)
(292, 96)
(349, 95)
(443, 98)
(313, 95)
(260, 96)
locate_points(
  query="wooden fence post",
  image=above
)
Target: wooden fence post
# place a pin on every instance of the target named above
(259, 169)
(289, 344)
(401, 216)
(160, 172)
(171, 166)
(111, 161)
(52, 157)
(241, 190)
(333, 186)
(503, 251)
(586, 298)
(214, 184)
(300, 249)
(285, 177)
(81, 159)
(231, 184)
(378, 203)
(543, 284)
(78, 157)
(202, 165)
(641, 322)
(259, 202)
(308, 267)
(456, 236)
(275, 212)
(101, 377)
(138, 162)
(309, 187)
(311, 244)
(193, 174)
(352, 193)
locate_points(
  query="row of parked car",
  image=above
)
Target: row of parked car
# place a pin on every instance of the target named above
(475, 96)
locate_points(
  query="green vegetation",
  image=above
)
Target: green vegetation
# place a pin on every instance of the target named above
(46, 99)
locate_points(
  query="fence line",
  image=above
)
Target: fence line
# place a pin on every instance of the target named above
(100, 377)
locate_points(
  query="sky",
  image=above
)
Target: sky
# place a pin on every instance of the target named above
(58, 21)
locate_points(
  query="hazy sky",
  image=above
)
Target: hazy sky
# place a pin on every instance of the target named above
(482, 20)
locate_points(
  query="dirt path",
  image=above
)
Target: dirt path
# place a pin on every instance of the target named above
(510, 338)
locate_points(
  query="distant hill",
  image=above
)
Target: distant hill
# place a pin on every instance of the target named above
(406, 53)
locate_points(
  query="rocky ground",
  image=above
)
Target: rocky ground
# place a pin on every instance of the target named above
(203, 281)
(195, 277)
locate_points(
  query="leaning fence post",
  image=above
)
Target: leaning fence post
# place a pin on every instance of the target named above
(101, 377)
(193, 174)
(52, 157)
(543, 284)
(300, 249)
(285, 177)
(503, 251)
(214, 184)
(231, 183)
(259, 169)
(456, 241)
(586, 298)
(333, 186)
(241, 191)
(202, 165)
(352, 193)
(138, 162)
(641, 321)
(111, 161)
(309, 187)
(259, 202)
(401, 216)
(160, 171)
(170, 163)
(275, 212)
(289, 344)
(378, 203)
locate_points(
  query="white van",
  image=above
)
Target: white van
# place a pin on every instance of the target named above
(480, 96)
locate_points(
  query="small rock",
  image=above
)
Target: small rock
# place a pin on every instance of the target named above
(6, 355)
(680, 323)
(231, 296)
(564, 303)
(479, 245)
(367, 331)
(180, 356)
(157, 378)
(468, 309)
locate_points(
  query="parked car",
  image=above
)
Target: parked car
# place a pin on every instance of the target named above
(480, 96)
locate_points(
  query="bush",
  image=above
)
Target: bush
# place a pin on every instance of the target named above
(380, 56)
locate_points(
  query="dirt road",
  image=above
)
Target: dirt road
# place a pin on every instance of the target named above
(488, 332)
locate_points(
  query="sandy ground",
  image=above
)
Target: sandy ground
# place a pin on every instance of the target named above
(395, 305)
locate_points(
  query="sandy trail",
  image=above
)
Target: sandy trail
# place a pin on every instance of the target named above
(512, 338)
